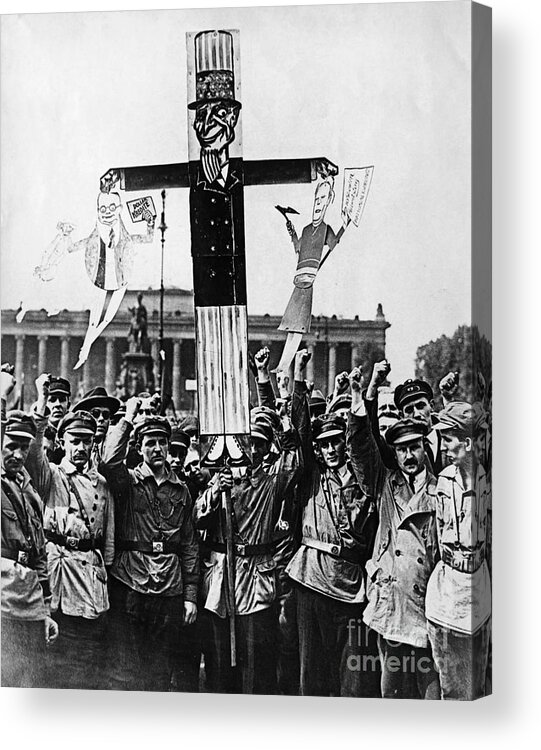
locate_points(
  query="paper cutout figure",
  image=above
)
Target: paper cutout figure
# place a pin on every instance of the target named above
(309, 248)
(108, 261)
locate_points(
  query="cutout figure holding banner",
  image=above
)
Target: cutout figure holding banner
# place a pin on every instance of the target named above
(309, 248)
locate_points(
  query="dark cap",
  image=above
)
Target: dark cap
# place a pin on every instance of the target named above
(410, 391)
(458, 416)
(179, 437)
(97, 397)
(20, 425)
(328, 425)
(79, 422)
(152, 425)
(343, 401)
(266, 415)
(60, 386)
(261, 430)
(405, 431)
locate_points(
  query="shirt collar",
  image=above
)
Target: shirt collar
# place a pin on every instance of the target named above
(143, 471)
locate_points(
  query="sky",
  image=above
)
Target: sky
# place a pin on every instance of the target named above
(382, 85)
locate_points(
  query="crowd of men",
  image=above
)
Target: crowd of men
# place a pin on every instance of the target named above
(361, 540)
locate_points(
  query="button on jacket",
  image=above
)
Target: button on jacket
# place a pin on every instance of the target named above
(146, 512)
(25, 589)
(405, 551)
(256, 502)
(78, 578)
(338, 513)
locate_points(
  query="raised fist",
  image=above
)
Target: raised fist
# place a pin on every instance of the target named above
(133, 405)
(42, 385)
(355, 377)
(449, 385)
(341, 383)
(262, 359)
(380, 372)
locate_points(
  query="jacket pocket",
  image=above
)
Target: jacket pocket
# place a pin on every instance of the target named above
(265, 574)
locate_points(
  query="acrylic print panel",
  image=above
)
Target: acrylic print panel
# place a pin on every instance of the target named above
(296, 453)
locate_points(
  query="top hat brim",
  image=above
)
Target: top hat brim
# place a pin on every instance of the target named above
(109, 402)
(212, 100)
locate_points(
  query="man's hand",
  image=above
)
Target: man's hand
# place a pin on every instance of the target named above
(42, 388)
(261, 360)
(325, 168)
(341, 384)
(190, 613)
(302, 357)
(133, 405)
(290, 228)
(224, 483)
(51, 630)
(357, 403)
(149, 218)
(449, 386)
(380, 374)
(7, 381)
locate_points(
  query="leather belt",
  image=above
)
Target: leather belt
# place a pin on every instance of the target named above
(465, 560)
(158, 547)
(21, 556)
(71, 542)
(243, 550)
(335, 550)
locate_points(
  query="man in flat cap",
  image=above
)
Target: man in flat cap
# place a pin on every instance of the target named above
(405, 551)
(102, 407)
(79, 528)
(58, 406)
(458, 599)
(26, 596)
(339, 524)
(415, 400)
(256, 499)
(155, 574)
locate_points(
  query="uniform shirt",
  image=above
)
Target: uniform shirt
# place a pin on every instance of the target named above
(337, 511)
(456, 599)
(78, 578)
(147, 512)
(25, 590)
(256, 500)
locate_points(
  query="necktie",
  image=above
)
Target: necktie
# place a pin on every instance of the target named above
(411, 482)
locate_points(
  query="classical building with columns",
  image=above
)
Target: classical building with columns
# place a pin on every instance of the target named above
(51, 344)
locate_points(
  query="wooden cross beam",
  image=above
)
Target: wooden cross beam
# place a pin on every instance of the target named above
(216, 175)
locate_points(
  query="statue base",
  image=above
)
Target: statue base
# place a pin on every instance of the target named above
(136, 374)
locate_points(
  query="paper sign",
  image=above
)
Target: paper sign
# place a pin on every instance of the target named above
(139, 206)
(356, 186)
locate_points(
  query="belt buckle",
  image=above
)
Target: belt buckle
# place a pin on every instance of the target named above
(240, 549)
(23, 557)
(157, 546)
(335, 549)
(72, 542)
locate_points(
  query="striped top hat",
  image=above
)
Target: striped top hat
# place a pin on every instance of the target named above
(214, 69)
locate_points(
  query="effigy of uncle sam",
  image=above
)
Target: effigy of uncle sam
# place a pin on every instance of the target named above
(108, 259)
(216, 176)
(315, 237)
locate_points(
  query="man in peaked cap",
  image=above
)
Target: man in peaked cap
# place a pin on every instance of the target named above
(102, 407)
(59, 400)
(339, 522)
(414, 400)
(405, 550)
(79, 529)
(26, 596)
(257, 498)
(155, 574)
(458, 599)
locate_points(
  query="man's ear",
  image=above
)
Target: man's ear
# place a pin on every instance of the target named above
(468, 443)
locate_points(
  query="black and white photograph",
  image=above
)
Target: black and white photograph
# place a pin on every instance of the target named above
(246, 370)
